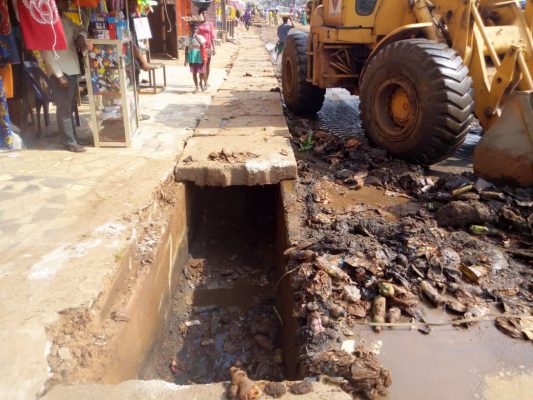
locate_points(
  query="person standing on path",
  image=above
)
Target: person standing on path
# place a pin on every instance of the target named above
(63, 68)
(195, 45)
(247, 19)
(139, 59)
(283, 31)
(207, 30)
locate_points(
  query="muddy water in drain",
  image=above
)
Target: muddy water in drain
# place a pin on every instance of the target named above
(224, 312)
(241, 294)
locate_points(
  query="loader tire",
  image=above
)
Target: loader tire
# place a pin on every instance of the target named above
(300, 96)
(417, 100)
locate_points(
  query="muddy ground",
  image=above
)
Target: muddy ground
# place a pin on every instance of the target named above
(387, 242)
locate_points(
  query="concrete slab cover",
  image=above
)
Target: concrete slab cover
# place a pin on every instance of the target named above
(253, 124)
(232, 107)
(246, 95)
(244, 139)
(236, 160)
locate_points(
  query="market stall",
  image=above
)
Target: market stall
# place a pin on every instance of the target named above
(109, 68)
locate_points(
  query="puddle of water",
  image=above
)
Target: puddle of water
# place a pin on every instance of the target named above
(342, 198)
(454, 363)
(376, 201)
(511, 385)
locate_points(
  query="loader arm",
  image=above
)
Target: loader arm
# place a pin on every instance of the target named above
(495, 41)
(414, 64)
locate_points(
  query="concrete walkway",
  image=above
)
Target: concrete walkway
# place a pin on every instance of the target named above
(160, 390)
(66, 217)
(243, 140)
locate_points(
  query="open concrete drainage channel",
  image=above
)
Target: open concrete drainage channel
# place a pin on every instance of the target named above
(200, 290)
(198, 293)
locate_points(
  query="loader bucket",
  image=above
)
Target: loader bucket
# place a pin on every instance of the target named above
(505, 153)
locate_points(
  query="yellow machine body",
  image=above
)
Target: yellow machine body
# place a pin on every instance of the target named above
(493, 38)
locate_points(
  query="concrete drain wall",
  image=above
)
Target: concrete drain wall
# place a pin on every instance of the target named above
(148, 305)
(142, 348)
(208, 297)
(225, 310)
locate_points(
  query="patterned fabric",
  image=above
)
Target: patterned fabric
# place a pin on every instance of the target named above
(194, 54)
(41, 26)
(194, 44)
(6, 134)
(8, 48)
(6, 73)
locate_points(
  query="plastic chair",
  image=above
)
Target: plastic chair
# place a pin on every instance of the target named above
(42, 90)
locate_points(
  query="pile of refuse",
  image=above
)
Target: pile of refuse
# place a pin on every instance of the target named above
(455, 242)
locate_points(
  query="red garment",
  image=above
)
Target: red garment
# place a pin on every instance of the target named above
(207, 30)
(41, 25)
(203, 52)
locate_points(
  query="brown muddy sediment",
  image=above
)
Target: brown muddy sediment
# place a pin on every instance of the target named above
(387, 231)
(225, 311)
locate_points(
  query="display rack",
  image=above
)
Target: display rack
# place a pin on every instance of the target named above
(111, 86)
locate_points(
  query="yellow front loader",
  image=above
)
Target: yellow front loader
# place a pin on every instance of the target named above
(423, 69)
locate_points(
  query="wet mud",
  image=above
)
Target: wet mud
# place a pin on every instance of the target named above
(390, 242)
(381, 240)
(224, 314)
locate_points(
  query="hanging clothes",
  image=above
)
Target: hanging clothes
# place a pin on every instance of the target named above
(8, 47)
(6, 134)
(41, 25)
(6, 73)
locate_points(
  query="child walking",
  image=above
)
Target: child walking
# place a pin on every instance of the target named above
(195, 56)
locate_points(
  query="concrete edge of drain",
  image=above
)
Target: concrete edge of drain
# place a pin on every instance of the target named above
(161, 390)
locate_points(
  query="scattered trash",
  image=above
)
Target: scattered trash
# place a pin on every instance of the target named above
(378, 311)
(394, 314)
(455, 306)
(231, 157)
(386, 289)
(330, 265)
(474, 272)
(518, 328)
(300, 388)
(365, 376)
(275, 389)
(119, 316)
(352, 293)
(431, 293)
(482, 230)
(348, 346)
(242, 387)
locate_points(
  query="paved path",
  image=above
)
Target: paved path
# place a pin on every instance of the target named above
(243, 140)
(64, 217)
